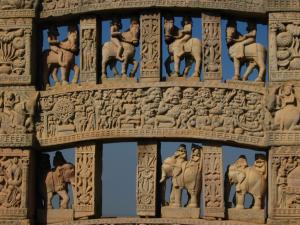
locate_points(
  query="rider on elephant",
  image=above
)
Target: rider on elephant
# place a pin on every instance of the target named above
(116, 37)
(180, 158)
(286, 96)
(53, 40)
(58, 162)
(240, 164)
(184, 34)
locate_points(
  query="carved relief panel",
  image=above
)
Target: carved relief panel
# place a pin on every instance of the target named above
(150, 47)
(284, 170)
(284, 44)
(140, 111)
(211, 36)
(212, 181)
(16, 51)
(16, 184)
(88, 54)
(87, 180)
(146, 179)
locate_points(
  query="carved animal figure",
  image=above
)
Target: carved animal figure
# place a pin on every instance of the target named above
(63, 58)
(254, 55)
(186, 174)
(249, 179)
(56, 182)
(129, 40)
(192, 51)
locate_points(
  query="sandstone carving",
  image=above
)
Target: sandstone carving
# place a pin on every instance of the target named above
(17, 4)
(121, 48)
(243, 48)
(185, 174)
(182, 45)
(56, 181)
(249, 179)
(61, 55)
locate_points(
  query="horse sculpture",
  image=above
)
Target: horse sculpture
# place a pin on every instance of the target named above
(61, 56)
(188, 177)
(56, 182)
(254, 54)
(192, 51)
(129, 40)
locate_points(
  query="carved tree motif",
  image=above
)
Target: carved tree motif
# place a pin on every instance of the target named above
(150, 46)
(211, 26)
(146, 179)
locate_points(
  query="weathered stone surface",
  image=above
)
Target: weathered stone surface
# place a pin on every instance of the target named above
(179, 212)
(247, 215)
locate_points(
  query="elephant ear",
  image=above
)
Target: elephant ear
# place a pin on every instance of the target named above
(177, 171)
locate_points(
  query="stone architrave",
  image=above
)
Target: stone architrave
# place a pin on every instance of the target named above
(284, 57)
(211, 46)
(212, 183)
(284, 184)
(150, 47)
(16, 51)
(89, 40)
(17, 186)
(146, 178)
(88, 183)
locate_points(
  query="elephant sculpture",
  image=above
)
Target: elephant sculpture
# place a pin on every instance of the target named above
(56, 181)
(248, 179)
(185, 174)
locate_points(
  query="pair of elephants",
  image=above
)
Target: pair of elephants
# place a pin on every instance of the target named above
(247, 179)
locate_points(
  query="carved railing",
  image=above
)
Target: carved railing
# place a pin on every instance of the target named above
(38, 113)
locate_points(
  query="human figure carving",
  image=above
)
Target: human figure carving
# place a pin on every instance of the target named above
(121, 48)
(61, 55)
(185, 174)
(244, 49)
(248, 179)
(182, 45)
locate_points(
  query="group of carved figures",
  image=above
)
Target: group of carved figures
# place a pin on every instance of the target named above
(122, 47)
(187, 174)
(211, 109)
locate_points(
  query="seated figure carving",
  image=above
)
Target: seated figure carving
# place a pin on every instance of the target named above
(244, 49)
(185, 174)
(248, 179)
(181, 45)
(121, 48)
(61, 55)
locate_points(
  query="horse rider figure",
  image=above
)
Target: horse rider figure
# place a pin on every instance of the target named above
(184, 34)
(238, 43)
(116, 37)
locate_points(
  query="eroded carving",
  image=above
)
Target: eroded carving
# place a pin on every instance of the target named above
(243, 48)
(61, 55)
(121, 48)
(181, 46)
(249, 179)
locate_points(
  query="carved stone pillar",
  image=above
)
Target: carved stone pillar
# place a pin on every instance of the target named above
(284, 185)
(284, 61)
(211, 45)
(89, 42)
(150, 47)
(16, 51)
(16, 186)
(146, 178)
(213, 189)
(88, 183)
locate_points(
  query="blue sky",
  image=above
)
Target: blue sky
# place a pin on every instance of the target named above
(119, 159)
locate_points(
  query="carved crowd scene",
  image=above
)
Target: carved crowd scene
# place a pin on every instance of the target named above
(80, 73)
